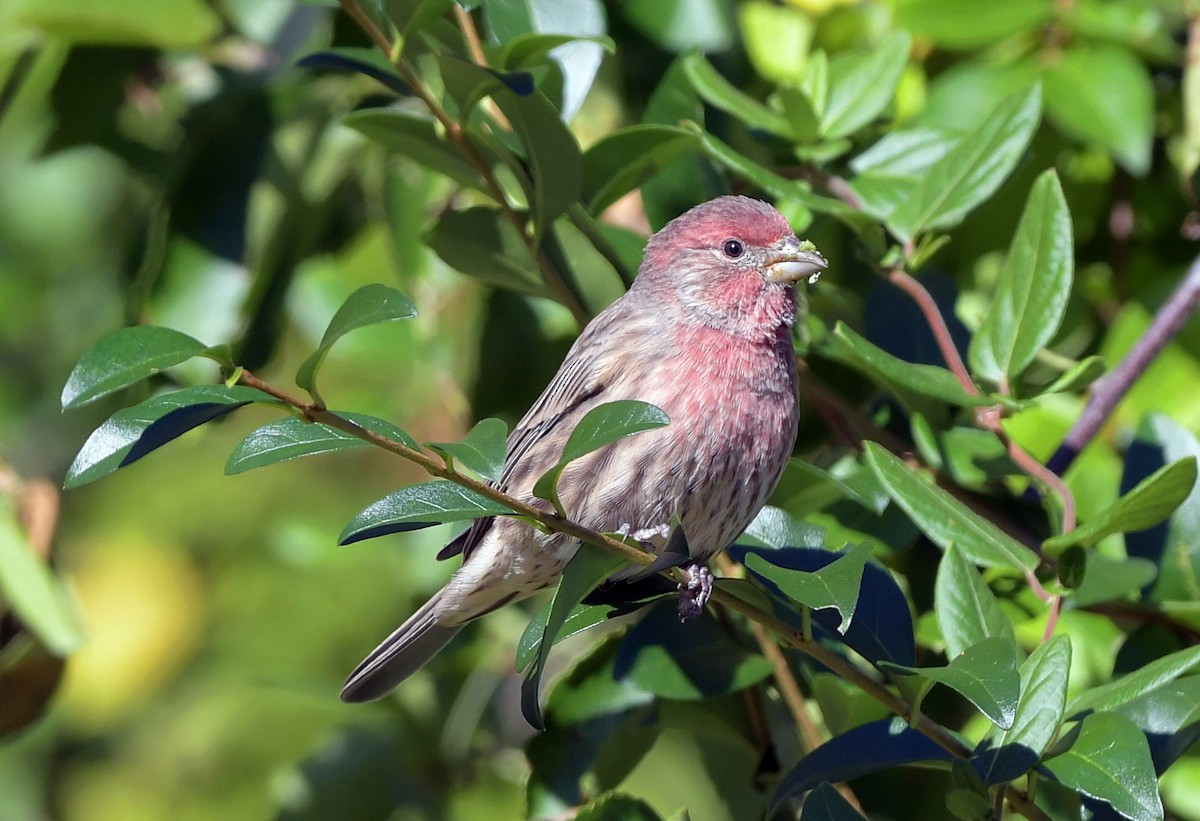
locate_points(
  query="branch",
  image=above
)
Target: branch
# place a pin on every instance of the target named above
(1108, 392)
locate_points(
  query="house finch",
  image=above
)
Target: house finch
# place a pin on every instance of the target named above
(705, 333)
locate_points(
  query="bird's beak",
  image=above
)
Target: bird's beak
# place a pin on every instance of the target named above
(793, 260)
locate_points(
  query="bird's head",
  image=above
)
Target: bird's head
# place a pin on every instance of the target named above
(732, 263)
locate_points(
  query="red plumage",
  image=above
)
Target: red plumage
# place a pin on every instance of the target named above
(705, 334)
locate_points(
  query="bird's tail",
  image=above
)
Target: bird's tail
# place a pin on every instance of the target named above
(399, 656)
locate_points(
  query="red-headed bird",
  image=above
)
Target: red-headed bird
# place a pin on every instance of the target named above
(705, 333)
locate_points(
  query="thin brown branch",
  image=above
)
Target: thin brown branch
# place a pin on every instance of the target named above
(367, 25)
(466, 24)
(937, 323)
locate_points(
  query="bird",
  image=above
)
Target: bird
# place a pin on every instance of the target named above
(705, 333)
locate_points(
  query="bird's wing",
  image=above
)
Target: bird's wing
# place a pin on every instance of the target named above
(577, 386)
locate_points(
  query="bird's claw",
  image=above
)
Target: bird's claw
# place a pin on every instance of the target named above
(695, 592)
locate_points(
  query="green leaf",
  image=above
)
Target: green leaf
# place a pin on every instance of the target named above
(294, 437)
(186, 24)
(31, 589)
(480, 242)
(719, 92)
(1084, 373)
(685, 662)
(1149, 503)
(967, 611)
(773, 527)
(1104, 94)
(1106, 579)
(600, 426)
(985, 674)
(889, 172)
(825, 803)
(1034, 287)
(553, 153)
(112, 445)
(959, 25)
(1044, 677)
(614, 806)
(368, 305)
(581, 617)
(1150, 677)
(483, 450)
(1109, 759)
(416, 136)
(846, 346)
(836, 585)
(777, 39)
(590, 566)
(529, 49)
(972, 171)
(944, 519)
(578, 60)
(417, 506)
(861, 85)
(618, 162)
(125, 357)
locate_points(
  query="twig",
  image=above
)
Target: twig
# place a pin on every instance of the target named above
(1111, 389)
(937, 323)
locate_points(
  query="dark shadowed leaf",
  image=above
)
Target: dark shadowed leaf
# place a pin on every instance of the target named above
(836, 585)
(1133, 686)
(1009, 754)
(368, 305)
(620, 161)
(1034, 287)
(1151, 502)
(418, 506)
(481, 242)
(844, 345)
(368, 61)
(32, 591)
(614, 806)
(1102, 93)
(861, 85)
(866, 749)
(416, 136)
(825, 803)
(590, 566)
(294, 437)
(133, 432)
(1109, 759)
(600, 426)
(482, 450)
(969, 173)
(124, 357)
(696, 660)
(944, 519)
(985, 674)
(882, 628)
(967, 611)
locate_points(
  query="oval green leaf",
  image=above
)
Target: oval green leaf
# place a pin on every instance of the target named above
(985, 674)
(31, 589)
(127, 434)
(483, 450)
(1034, 286)
(1109, 759)
(124, 357)
(967, 611)
(836, 585)
(944, 519)
(294, 437)
(368, 305)
(418, 506)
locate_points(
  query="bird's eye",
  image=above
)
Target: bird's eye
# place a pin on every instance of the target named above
(733, 249)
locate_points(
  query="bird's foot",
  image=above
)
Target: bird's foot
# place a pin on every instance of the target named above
(694, 593)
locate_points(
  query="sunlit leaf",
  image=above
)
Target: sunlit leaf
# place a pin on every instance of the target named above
(125, 357)
(36, 596)
(1109, 759)
(861, 84)
(836, 585)
(967, 611)
(985, 674)
(294, 437)
(418, 506)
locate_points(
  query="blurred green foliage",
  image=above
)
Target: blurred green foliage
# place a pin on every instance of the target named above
(177, 165)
